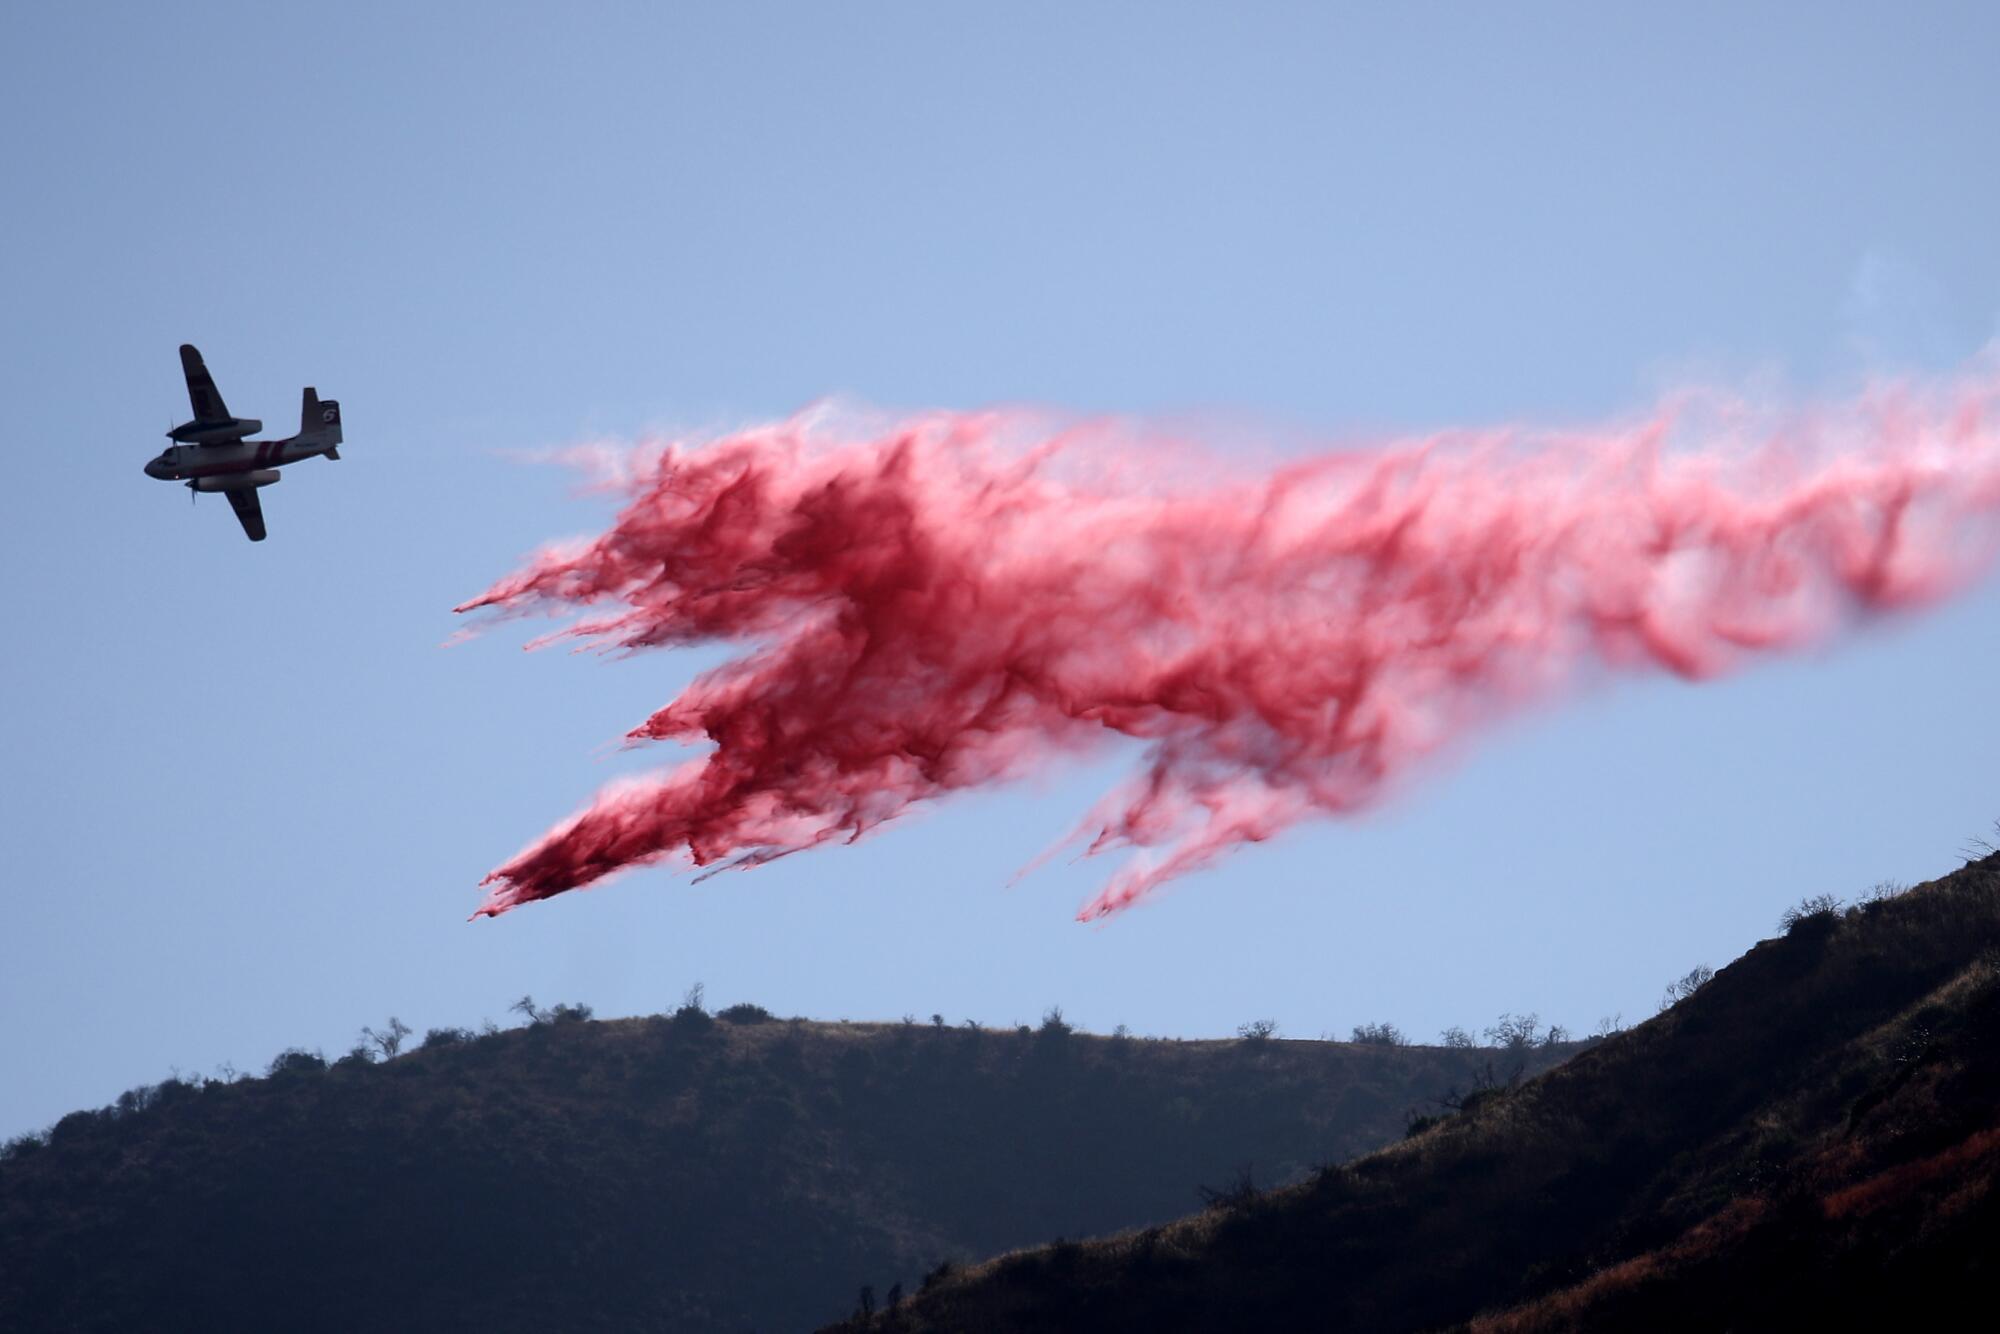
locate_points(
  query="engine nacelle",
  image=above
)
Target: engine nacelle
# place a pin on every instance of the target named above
(215, 433)
(237, 481)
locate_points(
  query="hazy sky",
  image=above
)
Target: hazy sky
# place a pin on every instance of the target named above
(247, 797)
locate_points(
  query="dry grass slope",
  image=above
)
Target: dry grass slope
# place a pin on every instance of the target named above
(1811, 1137)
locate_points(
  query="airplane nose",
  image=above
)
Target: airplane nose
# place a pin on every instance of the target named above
(153, 468)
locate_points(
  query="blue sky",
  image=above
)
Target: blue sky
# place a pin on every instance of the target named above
(245, 798)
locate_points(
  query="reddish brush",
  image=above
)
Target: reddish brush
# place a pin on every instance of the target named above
(952, 601)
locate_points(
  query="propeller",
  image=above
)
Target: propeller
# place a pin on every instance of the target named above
(192, 493)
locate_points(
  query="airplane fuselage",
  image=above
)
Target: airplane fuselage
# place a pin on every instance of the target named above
(187, 463)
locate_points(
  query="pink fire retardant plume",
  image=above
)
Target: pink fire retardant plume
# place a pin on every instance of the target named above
(953, 600)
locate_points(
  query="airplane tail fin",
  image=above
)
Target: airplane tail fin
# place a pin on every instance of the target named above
(319, 422)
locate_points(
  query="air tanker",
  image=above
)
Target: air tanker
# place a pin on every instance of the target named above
(212, 453)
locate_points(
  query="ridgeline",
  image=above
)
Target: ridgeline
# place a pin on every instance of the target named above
(685, 1172)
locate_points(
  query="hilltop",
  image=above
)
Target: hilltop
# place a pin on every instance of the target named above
(682, 1172)
(1809, 1139)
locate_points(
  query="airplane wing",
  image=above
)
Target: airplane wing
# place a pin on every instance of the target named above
(207, 399)
(248, 512)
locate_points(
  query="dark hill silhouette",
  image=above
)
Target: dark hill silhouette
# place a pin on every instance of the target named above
(1809, 1140)
(676, 1173)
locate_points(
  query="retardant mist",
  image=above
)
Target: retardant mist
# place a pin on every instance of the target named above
(951, 600)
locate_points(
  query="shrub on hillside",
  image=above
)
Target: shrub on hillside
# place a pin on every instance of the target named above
(555, 1014)
(1052, 1044)
(173, 1088)
(1379, 1035)
(1514, 1031)
(744, 1013)
(135, 1100)
(446, 1037)
(73, 1126)
(1681, 988)
(1237, 1194)
(1813, 915)
(296, 1061)
(388, 1039)
(692, 1016)
(1487, 1083)
(1258, 1030)
(148, 1096)
(1878, 894)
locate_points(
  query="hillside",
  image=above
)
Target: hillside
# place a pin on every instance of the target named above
(674, 1173)
(1811, 1139)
